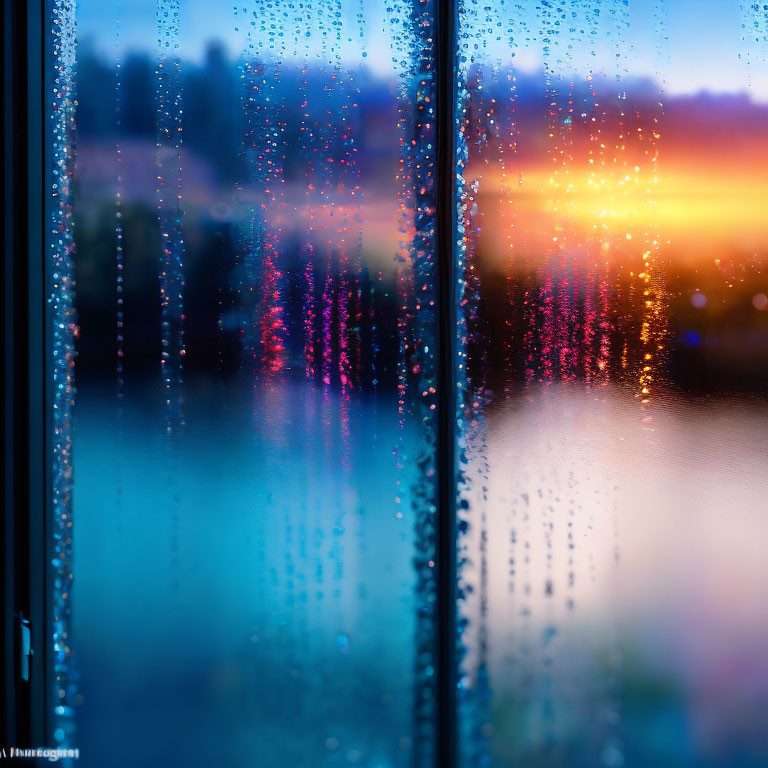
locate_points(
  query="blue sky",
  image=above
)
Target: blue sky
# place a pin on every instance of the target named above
(702, 53)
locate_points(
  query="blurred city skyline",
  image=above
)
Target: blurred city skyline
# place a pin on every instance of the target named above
(698, 45)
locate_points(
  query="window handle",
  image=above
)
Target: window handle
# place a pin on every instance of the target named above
(24, 646)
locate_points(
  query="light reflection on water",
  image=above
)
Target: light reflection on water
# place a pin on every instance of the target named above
(285, 631)
(250, 595)
(644, 644)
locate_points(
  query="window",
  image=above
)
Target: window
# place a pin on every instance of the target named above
(399, 393)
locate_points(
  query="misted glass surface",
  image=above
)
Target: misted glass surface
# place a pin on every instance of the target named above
(615, 241)
(246, 443)
(254, 432)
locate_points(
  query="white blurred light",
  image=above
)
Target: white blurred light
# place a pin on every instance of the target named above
(699, 300)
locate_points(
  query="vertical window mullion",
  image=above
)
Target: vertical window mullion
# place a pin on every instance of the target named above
(38, 402)
(447, 719)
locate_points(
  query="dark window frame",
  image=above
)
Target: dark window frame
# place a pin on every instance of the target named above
(26, 717)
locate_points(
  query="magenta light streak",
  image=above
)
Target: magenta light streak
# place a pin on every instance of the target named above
(342, 308)
(588, 330)
(548, 328)
(309, 315)
(604, 353)
(327, 340)
(272, 324)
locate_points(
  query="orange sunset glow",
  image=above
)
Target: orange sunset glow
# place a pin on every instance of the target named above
(699, 194)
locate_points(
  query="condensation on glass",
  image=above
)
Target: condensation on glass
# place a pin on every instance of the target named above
(253, 434)
(614, 174)
(245, 201)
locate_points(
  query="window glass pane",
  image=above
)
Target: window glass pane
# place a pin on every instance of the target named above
(253, 454)
(613, 566)
(242, 283)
